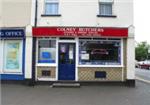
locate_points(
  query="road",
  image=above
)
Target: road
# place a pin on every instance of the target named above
(142, 74)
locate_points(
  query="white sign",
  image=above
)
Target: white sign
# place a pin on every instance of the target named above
(85, 56)
(70, 54)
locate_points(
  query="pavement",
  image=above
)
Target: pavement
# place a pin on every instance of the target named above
(85, 95)
(12, 94)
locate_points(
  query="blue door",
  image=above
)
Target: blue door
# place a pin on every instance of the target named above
(66, 68)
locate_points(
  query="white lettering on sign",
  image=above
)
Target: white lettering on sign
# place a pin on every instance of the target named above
(11, 33)
(1, 33)
(81, 31)
(66, 29)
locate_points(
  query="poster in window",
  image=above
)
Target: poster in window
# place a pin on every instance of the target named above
(85, 56)
(12, 56)
(63, 49)
(70, 52)
(47, 55)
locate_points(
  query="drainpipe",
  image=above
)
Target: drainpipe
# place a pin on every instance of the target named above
(36, 7)
(34, 46)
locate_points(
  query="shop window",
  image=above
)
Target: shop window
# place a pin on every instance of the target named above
(51, 7)
(105, 7)
(46, 51)
(93, 52)
(12, 56)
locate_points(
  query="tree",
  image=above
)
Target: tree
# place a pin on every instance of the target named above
(141, 51)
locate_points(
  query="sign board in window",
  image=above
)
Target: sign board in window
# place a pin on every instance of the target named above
(71, 52)
(85, 56)
(13, 56)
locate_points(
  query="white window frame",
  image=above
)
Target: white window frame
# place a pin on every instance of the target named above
(16, 71)
(37, 55)
(106, 2)
(121, 58)
(45, 64)
(51, 1)
(1, 55)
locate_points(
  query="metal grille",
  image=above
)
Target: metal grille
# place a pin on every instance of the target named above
(50, 69)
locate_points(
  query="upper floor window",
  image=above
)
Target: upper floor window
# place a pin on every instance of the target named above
(51, 7)
(105, 7)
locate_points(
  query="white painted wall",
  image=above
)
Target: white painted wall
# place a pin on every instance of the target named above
(131, 54)
(84, 13)
(33, 5)
(28, 53)
(123, 9)
(0, 13)
(130, 58)
(15, 13)
(18, 13)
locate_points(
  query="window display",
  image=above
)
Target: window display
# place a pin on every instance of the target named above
(99, 52)
(13, 56)
(47, 51)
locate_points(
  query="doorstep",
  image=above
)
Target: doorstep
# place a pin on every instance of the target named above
(67, 84)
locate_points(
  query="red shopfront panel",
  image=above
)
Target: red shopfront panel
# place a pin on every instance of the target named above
(79, 32)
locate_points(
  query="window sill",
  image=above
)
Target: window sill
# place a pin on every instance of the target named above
(45, 64)
(100, 66)
(54, 15)
(12, 73)
(46, 79)
(109, 16)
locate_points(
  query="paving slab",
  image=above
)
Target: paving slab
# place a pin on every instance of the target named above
(85, 95)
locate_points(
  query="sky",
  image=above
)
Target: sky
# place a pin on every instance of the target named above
(142, 20)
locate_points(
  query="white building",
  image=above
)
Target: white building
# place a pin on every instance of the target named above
(72, 40)
(84, 40)
(15, 20)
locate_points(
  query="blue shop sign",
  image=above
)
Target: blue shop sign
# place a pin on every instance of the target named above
(10, 33)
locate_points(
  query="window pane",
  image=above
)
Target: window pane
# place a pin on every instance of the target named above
(99, 52)
(12, 57)
(47, 51)
(105, 9)
(51, 8)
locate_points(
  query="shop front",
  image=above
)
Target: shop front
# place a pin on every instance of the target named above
(12, 45)
(80, 53)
